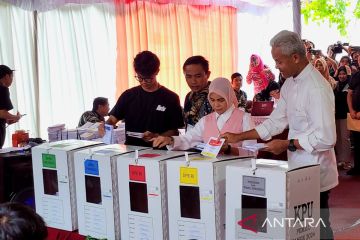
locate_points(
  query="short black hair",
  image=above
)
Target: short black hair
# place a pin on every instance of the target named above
(18, 221)
(4, 70)
(99, 101)
(146, 63)
(346, 57)
(197, 60)
(235, 75)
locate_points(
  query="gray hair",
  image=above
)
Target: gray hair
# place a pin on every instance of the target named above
(289, 43)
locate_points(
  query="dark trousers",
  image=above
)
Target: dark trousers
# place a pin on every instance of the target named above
(325, 231)
(356, 138)
(2, 135)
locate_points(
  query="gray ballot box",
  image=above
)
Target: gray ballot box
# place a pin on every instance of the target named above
(267, 200)
(196, 196)
(97, 190)
(54, 182)
(143, 194)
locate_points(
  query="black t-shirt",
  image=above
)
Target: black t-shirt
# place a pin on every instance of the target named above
(142, 111)
(341, 107)
(5, 102)
(355, 86)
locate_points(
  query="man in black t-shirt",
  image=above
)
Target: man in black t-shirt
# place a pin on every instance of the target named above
(149, 110)
(353, 101)
(6, 78)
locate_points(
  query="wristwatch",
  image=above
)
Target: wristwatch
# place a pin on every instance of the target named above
(291, 146)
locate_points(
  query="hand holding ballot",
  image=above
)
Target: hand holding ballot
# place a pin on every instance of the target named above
(149, 135)
(276, 146)
(231, 137)
(161, 141)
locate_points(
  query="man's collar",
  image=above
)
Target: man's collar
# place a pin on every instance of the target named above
(304, 72)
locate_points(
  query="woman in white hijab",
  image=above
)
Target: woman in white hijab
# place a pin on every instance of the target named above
(322, 67)
(225, 118)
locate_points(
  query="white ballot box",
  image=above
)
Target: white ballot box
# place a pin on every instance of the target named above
(54, 182)
(142, 194)
(267, 200)
(97, 192)
(196, 197)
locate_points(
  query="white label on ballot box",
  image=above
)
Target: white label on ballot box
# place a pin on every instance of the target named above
(53, 210)
(254, 185)
(140, 227)
(212, 148)
(191, 230)
(95, 220)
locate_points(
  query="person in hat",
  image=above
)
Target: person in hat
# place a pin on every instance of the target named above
(6, 79)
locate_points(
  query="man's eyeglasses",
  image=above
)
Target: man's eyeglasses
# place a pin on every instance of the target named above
(145, 79)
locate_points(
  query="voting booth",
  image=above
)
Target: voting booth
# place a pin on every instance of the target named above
(96, 190)
(196, 197)
(54, 182)
(142, 194)
(267, 200)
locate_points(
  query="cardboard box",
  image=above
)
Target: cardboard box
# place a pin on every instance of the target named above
(142, 194)
(54, 182)
(97, 192)
(266, 200)
(196, 197)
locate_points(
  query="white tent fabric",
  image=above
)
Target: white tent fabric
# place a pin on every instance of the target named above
(76, 63)
(41, 5)
(243, 5)
(17, 49)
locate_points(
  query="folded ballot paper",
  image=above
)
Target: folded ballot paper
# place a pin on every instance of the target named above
(254, 147)
(135, 134)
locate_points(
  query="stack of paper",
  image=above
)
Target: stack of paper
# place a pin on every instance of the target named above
(54, 132)
(119, 135)
(89, 131)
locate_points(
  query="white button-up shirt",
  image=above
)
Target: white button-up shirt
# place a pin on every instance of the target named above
(194, 137)
(307, 106)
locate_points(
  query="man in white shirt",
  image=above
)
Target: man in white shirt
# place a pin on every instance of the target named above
(307, 106)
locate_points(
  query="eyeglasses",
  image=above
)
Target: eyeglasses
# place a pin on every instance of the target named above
(145, 79)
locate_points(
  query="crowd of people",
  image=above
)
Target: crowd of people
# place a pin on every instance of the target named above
(343, 77)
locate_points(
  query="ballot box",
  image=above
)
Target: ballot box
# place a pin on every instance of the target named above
(267, 200)
(54, 182)
(196, 197)
(142, 194)
(97, 192)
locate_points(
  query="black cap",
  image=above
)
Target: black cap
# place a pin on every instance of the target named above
(5, 70)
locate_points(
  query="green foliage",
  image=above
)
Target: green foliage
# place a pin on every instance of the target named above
(331, 10)
(357, 10)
